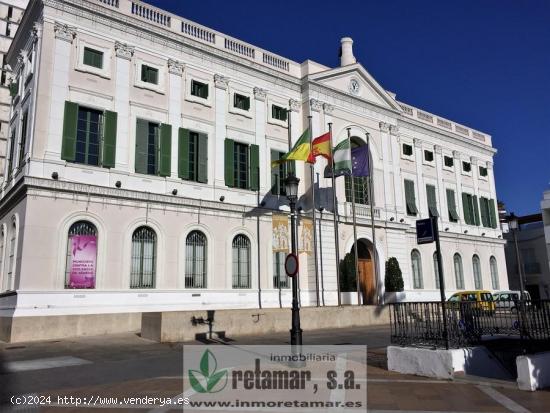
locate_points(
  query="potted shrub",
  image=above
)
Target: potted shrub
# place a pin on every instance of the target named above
(393, 281)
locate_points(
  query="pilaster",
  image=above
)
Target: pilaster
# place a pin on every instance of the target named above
(422, 201)
(175, 84)
(123, 58)
(260, 122)
(389, 190)
(396, 166)
(220, 104)
(458, 179)
(442, 204)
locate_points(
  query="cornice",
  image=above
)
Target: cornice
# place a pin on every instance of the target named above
(88, 11)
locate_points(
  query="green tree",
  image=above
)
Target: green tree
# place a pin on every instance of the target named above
(348, 274)
(394, 278)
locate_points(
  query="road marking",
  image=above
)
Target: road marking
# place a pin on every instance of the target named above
(45, 363)
(502, 399)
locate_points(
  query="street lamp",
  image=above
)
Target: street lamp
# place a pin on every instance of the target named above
(291, 184)
(513, 222)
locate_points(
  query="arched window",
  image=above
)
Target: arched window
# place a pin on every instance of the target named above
(436, 270)
(195, 260)
(494, 273)
(144, 258)
(459, 272)
(416, 269)
(241, 261)
(478, 282)
(10, 285)
(360, 183)
(80, 265)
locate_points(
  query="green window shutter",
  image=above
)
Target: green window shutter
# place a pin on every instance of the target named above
(484, 206)
(275, 173)
(476, 211)
(183, 153)
(229, 169)
(492, 213)
(254, 172)
(432, 200)
(109, 139)
(466, 205)
(70, 119)
(165, 149)
(451, 204)
(410, 197)
(142, 136)
(202, 172)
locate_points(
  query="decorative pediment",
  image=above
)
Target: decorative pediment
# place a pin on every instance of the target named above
(355, 81)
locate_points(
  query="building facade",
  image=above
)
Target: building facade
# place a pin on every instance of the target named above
(139, 178)
(11, 12)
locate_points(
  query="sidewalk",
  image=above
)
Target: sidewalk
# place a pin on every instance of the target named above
(126, 365)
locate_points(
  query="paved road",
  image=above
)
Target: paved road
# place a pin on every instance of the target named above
(127, 365)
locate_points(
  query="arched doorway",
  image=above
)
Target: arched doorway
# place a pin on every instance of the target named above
(367, 274)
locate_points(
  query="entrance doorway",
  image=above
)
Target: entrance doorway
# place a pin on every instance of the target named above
(365, 267)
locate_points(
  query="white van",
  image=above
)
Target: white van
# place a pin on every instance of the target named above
(506, 300)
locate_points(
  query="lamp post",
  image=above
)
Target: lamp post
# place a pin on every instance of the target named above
(291, 184)
(514, 226)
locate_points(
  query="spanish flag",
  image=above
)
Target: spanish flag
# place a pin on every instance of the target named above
(320, 147)
(300, 152)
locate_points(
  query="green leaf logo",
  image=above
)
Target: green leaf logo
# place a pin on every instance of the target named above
(208, 380)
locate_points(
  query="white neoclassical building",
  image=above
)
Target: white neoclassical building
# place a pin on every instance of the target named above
(138, 175)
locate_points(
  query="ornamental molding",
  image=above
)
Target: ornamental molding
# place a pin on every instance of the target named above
(315, 105)
(328, 108)
(221, 82)
(394, 130)
(489, 165)
(456, 154)
(417, 143)
(64, 32)
(474, 161)
(124, 51)
(260, 94)
(175, 67)
(438, 149)
(384, 127)
(294, 105)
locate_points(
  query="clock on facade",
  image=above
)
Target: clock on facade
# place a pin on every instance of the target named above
(354, 86)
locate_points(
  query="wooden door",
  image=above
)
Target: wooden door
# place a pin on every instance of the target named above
(366, 280)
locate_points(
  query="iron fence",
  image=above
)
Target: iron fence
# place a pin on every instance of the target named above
(420, 324)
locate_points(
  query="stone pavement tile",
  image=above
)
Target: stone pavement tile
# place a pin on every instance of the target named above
(538, 401)
(430, 397)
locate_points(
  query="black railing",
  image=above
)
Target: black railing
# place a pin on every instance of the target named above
(420, 324)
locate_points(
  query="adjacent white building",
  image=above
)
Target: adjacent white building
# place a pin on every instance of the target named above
(138, 177)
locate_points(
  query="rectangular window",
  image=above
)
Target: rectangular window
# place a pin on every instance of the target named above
(280, 279)
(410, 198)
(487, 210)
(432, 201)
(360, 187)
(451, 206)
(407, 149)
(93, 58)
(471, 209)
(428, 156)
(466, 166)
(278, 174)
(12, 153)
(10, 12)
(240, 165)
(153, 148)
(23, 140)
(88, 136)
(449, 161)
(241, 102)
(149, 74)
(199, 89)
(482, 171)
(278, 113)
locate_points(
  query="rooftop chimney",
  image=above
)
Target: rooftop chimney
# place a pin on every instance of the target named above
(346, 51)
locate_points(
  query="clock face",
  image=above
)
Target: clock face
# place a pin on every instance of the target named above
(354, 86)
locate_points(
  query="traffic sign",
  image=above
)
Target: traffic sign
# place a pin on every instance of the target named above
(424, 231)
(291, 265)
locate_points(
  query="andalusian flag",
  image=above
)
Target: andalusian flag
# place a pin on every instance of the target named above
(320, 147)
(342, 158)
(300, 151)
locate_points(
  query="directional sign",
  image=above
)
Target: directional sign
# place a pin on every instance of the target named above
(291, 265)
(424, 231)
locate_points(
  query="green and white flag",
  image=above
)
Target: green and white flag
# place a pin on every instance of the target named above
(342, 158)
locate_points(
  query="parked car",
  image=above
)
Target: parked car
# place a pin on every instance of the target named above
(482, 298)
(507, 300)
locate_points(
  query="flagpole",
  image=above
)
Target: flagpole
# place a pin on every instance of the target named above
(355, 246)
(371, 202)
(334, 217)
(312, 174)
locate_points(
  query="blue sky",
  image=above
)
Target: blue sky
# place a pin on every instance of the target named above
(485, 64)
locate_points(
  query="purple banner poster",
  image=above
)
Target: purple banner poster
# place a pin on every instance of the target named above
(83, 261)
